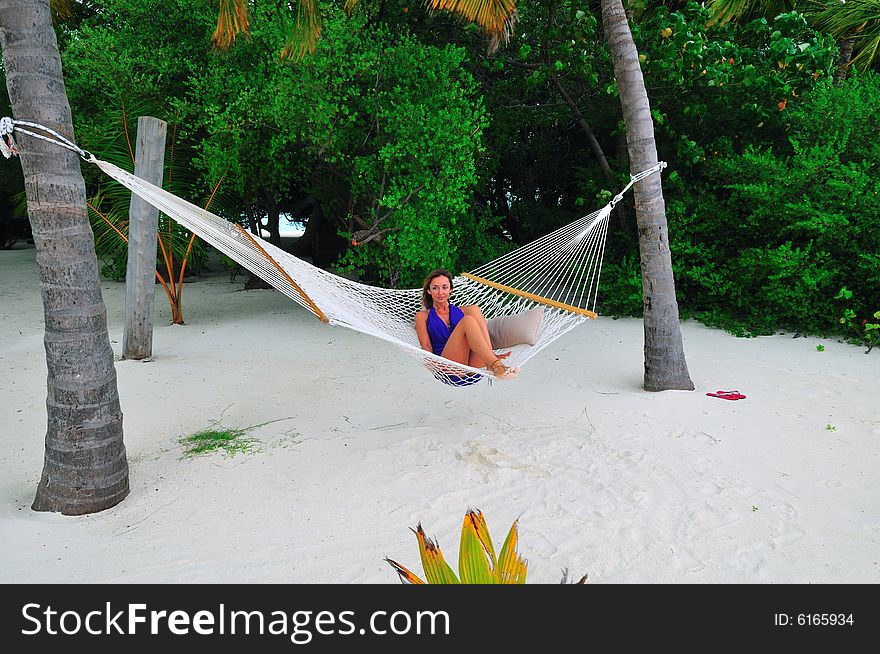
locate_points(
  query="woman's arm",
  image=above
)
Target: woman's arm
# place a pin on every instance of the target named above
(422, 331)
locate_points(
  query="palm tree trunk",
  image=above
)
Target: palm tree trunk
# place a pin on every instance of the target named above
(85, 468)
(665, 365)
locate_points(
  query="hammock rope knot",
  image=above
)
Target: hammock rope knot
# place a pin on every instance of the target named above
(8, 125)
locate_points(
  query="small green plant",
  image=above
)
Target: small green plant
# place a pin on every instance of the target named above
(820, 348)
(230, 441)
(477, 563)
(868, 333)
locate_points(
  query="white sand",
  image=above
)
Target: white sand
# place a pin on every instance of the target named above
(606, 478)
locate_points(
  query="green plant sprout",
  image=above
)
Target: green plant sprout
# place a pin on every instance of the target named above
(868, 333)
(229, 440)
(477, 562)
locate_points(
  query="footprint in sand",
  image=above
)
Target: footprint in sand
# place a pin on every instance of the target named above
(629, 457)
(483, 456)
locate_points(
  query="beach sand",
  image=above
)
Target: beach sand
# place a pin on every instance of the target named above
(362, 444)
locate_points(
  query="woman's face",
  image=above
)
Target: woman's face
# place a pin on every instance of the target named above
(439, 289)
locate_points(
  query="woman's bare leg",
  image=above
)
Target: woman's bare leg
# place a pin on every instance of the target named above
(475, 311)
(469, 344)
(476, 360)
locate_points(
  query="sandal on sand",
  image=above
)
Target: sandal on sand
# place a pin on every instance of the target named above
(727, 395)
(503, 372)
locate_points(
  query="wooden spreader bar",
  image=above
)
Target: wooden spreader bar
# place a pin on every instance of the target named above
(312, 306)
(531, 296)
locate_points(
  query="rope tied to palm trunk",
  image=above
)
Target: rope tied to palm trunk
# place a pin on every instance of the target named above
(9, 148)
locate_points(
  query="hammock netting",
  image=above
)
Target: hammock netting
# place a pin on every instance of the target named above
(558, 272)
(561, 270)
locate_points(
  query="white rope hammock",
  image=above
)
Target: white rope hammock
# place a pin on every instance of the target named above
(558, 273)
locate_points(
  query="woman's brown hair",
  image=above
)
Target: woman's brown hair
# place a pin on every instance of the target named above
(427, 300)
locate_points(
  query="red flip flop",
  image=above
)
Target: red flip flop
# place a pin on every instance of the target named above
(727, 395)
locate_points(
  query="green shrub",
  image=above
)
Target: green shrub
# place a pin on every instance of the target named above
(767, 236)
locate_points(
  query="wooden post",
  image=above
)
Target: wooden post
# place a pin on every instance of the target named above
(140, 275)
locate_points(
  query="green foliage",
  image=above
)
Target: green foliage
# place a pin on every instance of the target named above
(381, 129)
(543, 169)
(401, 124)
(768, 235)
(857, 21)
(620, 291)
(124, 61)
(724, 101)
(718, 88)
(384, 130)
(867, 333)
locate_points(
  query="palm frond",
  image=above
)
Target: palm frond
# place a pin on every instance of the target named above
(232, 19)
(406, 576)
(476, 556)
(303, 37)
(724, 11)
(61, 9)
(858, 20)
(512, 568)
(437, 571)
(110, 229)
(477, 563)
(496, 17)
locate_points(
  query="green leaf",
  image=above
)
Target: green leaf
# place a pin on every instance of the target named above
(437, 571)
(473, 563)
(511, 567)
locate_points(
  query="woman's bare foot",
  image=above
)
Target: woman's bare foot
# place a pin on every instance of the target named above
(503, 372)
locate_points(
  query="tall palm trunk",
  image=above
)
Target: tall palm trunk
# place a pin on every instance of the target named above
(665, 365)
(85, 468)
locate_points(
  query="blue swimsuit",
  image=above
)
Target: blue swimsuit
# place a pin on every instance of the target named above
(439, 333)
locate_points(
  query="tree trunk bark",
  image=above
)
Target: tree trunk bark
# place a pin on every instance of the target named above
(624, 216)
(304, 243)
(846, 50)
(274, 219)
(665, 365)
(85, 468)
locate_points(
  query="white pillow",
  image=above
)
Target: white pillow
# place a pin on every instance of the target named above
(518, 329)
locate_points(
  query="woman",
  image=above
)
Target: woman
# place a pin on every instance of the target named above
(456, 333)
